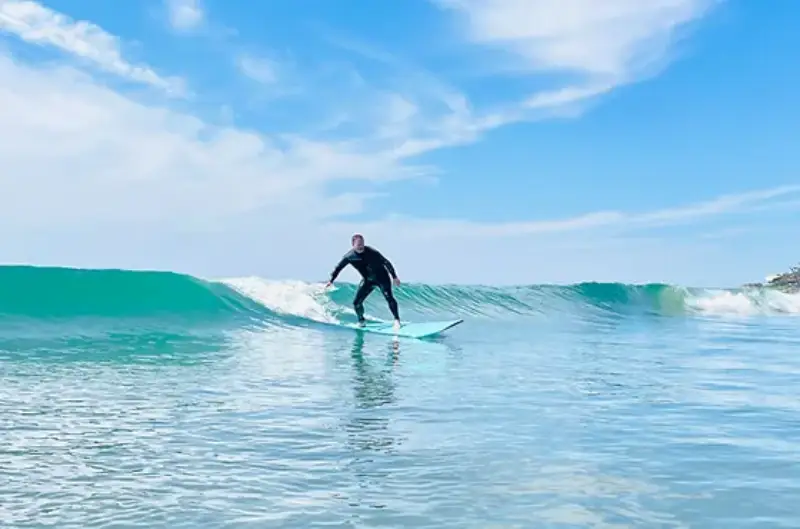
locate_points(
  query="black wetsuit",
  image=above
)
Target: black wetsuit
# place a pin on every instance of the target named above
(375, 270)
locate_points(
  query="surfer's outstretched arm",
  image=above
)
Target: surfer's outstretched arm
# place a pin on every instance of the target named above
(339, 267)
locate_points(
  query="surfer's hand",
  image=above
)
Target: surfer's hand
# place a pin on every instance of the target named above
(396, 281)
(329, 284)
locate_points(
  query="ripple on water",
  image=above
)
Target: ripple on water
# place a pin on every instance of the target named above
(674, 425)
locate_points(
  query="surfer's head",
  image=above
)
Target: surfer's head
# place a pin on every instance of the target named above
(357, 241)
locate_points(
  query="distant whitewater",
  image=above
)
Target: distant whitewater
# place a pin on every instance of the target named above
(43, 293)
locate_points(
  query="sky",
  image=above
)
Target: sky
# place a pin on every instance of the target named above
(470, 141)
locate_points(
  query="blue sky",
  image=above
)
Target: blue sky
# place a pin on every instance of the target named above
(478, 141)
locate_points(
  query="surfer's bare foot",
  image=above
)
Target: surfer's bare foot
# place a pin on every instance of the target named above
(361, 323)
(396, 325)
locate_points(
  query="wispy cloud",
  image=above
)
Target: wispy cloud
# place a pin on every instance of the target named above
(612, 39)
(260, 69)
(605, 43)
(729, 203)
(411, 113)
(185, 14)
(151, 164)
(106, 158)
(40, 25)
(616, 221)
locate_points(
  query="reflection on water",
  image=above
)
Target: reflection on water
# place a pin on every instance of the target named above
(368, 428)
(373, 386)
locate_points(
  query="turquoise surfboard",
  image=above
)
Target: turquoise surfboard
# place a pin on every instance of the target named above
(409, 330)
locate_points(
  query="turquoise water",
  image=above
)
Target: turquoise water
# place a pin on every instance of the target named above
(134, 399)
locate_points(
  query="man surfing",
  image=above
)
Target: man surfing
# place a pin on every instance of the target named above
(372, 266)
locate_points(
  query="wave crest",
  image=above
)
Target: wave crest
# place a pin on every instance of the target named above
(39, 292)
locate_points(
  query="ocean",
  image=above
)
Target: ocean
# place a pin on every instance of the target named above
(135, 399)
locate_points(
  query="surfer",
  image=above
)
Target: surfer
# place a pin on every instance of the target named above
(375, 270)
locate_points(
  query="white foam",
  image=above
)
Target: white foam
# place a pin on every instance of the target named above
(296, 298)
(745, 303)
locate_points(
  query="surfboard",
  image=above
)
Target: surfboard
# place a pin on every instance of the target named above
(422, 329)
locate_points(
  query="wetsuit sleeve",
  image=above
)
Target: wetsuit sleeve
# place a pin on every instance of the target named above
(387, 264)
(339, 267)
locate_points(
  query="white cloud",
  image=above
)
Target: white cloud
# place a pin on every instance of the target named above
(610, 221)
(607, 43)
(80, 159)
(100, 155)
(37, 24)
(185, 14)
(94, 178)
(260, 69)
(729, 203)
(611, 38)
